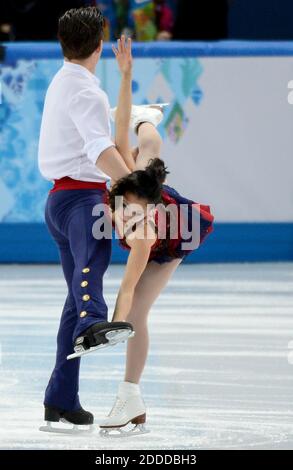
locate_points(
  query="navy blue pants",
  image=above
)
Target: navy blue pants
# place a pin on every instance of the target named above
(84, 260)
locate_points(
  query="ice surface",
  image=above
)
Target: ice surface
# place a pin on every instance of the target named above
(217, 375)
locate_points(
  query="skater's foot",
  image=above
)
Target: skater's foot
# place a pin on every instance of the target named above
(152, 113)
(128, 408)
(100, 335)
(81, 416)
(81, 420)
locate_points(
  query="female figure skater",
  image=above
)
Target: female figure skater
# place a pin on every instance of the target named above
(152, 259)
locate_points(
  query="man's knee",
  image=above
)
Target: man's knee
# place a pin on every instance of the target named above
(70, 302)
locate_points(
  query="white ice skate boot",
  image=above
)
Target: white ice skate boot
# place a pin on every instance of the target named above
(129, 408)
(144, 113)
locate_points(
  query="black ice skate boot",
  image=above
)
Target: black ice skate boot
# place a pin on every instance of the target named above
(77, 418)
(101, 335)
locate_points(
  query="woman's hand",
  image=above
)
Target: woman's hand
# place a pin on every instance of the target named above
(123, 55)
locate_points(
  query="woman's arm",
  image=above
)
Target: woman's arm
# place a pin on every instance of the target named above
(123, 112)
(136, 264)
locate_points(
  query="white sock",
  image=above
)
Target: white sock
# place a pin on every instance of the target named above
(128, 388)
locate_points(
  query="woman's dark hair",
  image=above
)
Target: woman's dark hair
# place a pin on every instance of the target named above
(145, 184)
(80, 31)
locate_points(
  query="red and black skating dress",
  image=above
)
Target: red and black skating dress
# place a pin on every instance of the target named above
(193, 223)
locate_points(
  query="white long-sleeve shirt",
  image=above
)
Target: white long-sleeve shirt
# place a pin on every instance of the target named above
(75, 126)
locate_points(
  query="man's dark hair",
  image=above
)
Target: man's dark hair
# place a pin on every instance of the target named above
(80, 31)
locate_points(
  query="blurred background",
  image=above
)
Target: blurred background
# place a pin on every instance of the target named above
(144, 20)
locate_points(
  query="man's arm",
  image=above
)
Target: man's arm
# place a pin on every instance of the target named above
(111, 162)
(88, 111)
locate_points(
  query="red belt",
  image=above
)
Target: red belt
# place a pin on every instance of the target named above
(68, 183)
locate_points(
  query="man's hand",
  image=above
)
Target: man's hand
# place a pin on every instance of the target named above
(123, 55)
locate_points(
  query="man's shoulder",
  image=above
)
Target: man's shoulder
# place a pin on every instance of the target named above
(86, 91)
(76, 88)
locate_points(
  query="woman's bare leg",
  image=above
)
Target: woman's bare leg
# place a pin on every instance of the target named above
(155, 276)
(150, 285)
(149, 145)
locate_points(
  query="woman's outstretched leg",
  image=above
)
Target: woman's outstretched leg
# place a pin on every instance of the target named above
(149, 145)
(150, 285)
(129, 404)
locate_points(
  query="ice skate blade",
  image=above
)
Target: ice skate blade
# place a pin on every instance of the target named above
(118, 432)
(83, 351)
(118, 336)
(114, 337)
(75, 430)
(160, 105)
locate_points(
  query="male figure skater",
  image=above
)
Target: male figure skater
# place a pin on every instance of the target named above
(77, 153)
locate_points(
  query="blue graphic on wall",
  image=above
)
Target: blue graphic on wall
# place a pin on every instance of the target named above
(22, 189)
